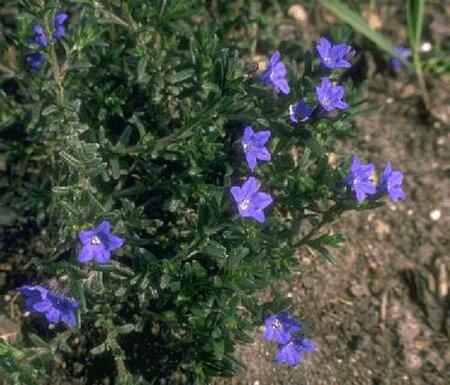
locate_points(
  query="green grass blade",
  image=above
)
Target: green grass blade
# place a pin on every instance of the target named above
(358, 23)
(415, 15)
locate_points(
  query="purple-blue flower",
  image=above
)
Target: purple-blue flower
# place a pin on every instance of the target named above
(359, 179)
(300, 112)
(34, 60)
(56, 307)
(39, 36)
(404, 53)
(98, 244)
(275, 74)
(253, 145)
(279, 327)
(334, 56)
(250, 202)
(293, 351)
(391, 183)
(330, 96)
(60, 30)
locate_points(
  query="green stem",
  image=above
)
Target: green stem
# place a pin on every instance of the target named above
(59, 89)
(327, 217)
(414, 17)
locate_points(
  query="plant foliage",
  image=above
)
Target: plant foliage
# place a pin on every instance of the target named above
(136, 117)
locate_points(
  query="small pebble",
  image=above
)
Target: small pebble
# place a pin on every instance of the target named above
(435, 215)
(425, 47)
(299, 13)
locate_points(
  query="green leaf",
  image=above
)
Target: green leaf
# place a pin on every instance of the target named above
(181, 76)
(214, 249)
(51, 109)
(125, 329)
(64, 347)
(70, 160)
(315, 148)
(37, 341)
(115, 168)
(62, 190)
(236, 256)
(98, 349)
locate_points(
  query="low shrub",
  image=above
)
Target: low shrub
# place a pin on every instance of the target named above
(174, 179)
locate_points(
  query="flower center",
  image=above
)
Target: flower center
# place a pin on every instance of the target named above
(95, 240)
(247, 147)
(327, 59)
(325, 100)
(276, 324)
(244, 204)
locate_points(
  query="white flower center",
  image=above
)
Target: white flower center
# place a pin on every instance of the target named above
(244, 204)
(325, 100)
(276, 324)
(95, 240)
(327, 59)
(247, 147)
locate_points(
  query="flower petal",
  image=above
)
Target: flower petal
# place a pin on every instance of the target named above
(263, 154)
(250, 187)
(69, 319)
(42, 306)
(274, 58)
(104, 227)
(60, 18)
(236, 191)
(262, 137)
(248, 134)
(323, 48)
(251, 160)
(115, 242)
(85, 236)
(101, 255)
(86, 254)
(258, 215)
(53, 315)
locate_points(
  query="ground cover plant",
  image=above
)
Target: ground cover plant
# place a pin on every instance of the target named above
(176, 178)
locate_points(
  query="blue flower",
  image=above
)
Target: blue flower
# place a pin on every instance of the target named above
(334, 56)
(98, 244)
(34, 60)
(279, 327)
(391, 183)
(60, 30)
(253, 145)
(329, 96)
(300, 112)
(404, 53)
(293, 351)
(39, 36)
(275, 74)
(250, 202)
(56, 307)
(359, 179)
